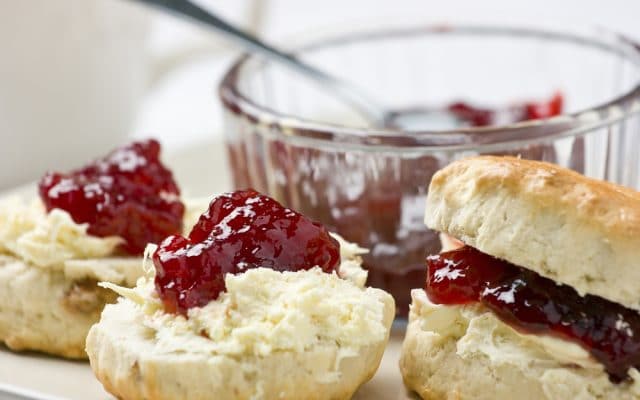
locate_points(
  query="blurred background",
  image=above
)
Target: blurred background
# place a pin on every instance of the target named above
(78, 76)
(81, 77)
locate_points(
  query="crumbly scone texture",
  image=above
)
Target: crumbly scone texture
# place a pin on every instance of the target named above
(49, 269)
(42, 310)
(441, 360)
(575, 230)
(122, 354)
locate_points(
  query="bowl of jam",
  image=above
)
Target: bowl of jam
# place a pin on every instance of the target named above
(568, 96)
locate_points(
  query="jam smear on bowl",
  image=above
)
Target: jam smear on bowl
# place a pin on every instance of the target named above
(240, 230)
(534, 304)
(129, 193)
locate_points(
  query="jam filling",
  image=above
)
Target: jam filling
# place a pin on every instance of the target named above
(240, 230)
(534, 304)
(129, 193)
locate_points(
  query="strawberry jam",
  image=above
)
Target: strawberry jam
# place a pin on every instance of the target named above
(239, 231)
(128, 193)
(534, 304)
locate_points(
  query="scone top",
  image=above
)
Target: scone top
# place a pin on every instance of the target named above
(562, 225)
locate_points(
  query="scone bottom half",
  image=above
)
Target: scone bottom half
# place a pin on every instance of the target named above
(87, 225)
(257, 299)
(485, 312)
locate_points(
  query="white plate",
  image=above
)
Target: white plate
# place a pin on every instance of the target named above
(201, 171)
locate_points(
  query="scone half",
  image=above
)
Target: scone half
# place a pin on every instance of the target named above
(49, 273)
(271, 335)
(466, 352)
(540, 242)
(87, 225)
(49, 270)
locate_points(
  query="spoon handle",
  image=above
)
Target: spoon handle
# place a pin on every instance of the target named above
(347, 92)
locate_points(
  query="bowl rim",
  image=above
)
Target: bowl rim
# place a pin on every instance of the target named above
(307, 132)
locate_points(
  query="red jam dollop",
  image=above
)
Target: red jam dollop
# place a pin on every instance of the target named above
(129, 193)
(477, 116)
(534, 304)
(240, 230)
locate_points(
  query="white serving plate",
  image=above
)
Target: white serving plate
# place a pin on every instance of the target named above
(201, 170)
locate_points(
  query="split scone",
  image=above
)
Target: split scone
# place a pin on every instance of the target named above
(258, 302)
(542, 300)
(88, 226)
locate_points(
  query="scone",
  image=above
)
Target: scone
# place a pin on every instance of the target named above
(88, 226)
(258, 302)
(541, 301)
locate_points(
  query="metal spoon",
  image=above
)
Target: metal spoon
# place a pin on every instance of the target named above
(369, 108)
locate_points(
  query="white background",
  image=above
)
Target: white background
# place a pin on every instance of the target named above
(180, 107)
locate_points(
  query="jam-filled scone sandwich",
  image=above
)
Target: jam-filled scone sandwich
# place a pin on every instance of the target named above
(258, 302)
(89, 225)
(542, 300)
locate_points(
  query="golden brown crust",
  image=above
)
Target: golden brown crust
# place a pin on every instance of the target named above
(613, 208)
(563, 225)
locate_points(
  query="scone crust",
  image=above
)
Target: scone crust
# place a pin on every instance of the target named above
(554, 221)
(41, 310)
(432, 367)
(121, 355)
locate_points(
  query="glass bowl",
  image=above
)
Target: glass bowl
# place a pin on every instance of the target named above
(290, 139)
